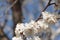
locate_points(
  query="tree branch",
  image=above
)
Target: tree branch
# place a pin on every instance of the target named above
(49, 3)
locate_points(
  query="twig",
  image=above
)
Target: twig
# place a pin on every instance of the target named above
(49, 3)
(11, 6)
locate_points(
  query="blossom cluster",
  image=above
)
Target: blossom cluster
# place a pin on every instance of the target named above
(30, 29)
(49, 17)
(33, 29)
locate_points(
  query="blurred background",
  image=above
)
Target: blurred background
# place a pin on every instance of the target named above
(18, 11)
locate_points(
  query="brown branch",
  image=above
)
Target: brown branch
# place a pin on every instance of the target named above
(40, 17)
(49, 4)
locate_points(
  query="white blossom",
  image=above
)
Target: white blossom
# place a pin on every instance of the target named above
(28, 31)
(37, 38)
(17, 38)
(19, 32)
(49, 18)
(19, 28)
(42, 24)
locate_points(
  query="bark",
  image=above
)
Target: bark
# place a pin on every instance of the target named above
(17, 13)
